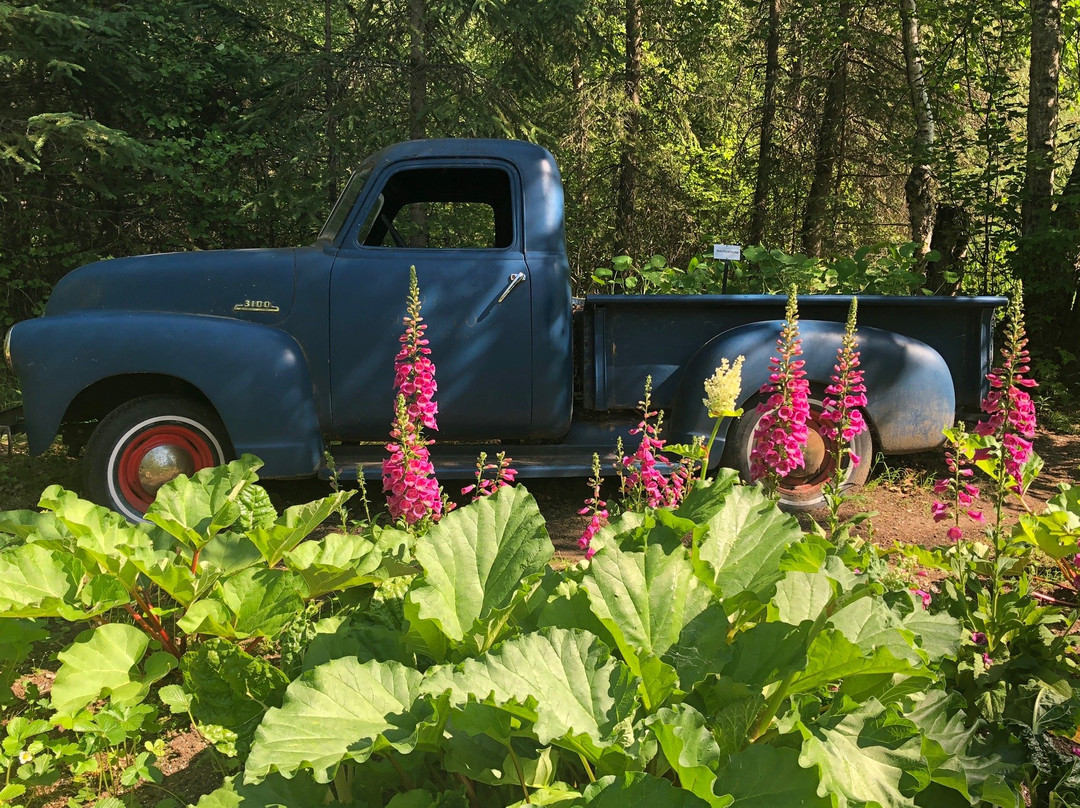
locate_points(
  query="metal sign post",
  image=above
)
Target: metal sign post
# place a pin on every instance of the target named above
(726, 253)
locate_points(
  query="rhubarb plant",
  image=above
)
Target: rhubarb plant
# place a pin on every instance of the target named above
(703, 656)
(213, 560)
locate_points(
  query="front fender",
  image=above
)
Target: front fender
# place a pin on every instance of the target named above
(909, 390)
(255, 376)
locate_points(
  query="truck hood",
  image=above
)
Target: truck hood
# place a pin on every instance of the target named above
(253, 285)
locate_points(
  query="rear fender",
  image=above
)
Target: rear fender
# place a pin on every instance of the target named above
(255, 376)
(909, 390)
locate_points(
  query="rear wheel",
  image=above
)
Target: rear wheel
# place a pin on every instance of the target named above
(804, 488)
(141, 445)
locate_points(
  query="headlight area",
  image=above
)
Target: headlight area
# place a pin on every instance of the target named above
(7, 350)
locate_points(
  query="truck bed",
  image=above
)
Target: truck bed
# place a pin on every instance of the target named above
(628, 337)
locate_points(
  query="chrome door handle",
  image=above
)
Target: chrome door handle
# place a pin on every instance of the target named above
(511, 282)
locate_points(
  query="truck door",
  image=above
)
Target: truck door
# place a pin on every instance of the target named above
(460, 226)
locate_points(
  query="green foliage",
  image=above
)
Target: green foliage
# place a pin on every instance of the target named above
(627, 670)
(879, 269)
(226, 691)
(206, 564)
(704, 656)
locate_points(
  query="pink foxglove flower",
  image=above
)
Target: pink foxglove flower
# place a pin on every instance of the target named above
(781, 431)
(841, 416)
(961, 495)
(596, 507)
(501, 476)
(1009, 406)
(923, 595)
(413, 493)
(643, 482)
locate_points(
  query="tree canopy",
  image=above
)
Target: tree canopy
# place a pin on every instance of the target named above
(819, 127)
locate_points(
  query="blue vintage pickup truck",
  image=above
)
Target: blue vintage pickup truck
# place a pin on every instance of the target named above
(163, 364)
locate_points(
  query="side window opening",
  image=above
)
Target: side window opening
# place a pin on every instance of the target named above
(443, 208)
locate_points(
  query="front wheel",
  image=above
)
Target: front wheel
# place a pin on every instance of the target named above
(804, 488)
(141, 445)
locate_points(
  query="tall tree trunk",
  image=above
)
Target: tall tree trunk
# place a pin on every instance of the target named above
(1040, 256)
(952, 235)
(330, 94)
(418, 102)
(626, 182)
(919, 187)
(768, 117)
(827, 154)
(1067, 269)
(1042, 114)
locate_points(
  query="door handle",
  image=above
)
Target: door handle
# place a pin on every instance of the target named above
(511, 283)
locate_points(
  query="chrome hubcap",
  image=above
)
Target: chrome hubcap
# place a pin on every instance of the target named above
(813, 454)
(164, 463)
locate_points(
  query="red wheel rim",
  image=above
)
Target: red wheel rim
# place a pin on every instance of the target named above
(188, 444)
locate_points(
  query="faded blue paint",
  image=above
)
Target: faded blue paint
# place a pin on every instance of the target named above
(910, 397)
(255, 376)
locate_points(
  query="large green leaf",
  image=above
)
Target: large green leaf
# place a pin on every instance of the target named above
(802, 596)
(34, 526)
(342, 710)
(474, 561)
(335, 562)
(645, 600)
(744, 543)
(704, 499)
(17, 638)
(194, 510)
(362, 635)
(228, 553)
(735, 711)
(871, 755)
(1056, 531)
(36, 581)
(254, 603)
(102, 537)
(172, 572)
(951, 748)
(294, 525)
(763, 776)
(639, 790)
(834, 658)
(273, 792)
(768, 652)
(917, 635)
(231, 688)
(484, 759)
(564, 681)
(938, 634)
(690, 748)
(104, 661)
(870, 623)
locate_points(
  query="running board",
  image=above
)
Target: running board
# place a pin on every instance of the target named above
(459, 462)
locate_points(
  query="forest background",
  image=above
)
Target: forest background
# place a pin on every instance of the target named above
(812, 127)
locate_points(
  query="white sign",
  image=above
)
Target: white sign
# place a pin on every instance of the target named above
(727, 252)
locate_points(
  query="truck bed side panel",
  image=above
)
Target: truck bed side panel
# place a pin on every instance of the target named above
(630, 337)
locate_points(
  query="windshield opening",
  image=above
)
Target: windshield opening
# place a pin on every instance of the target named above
(344, 205)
